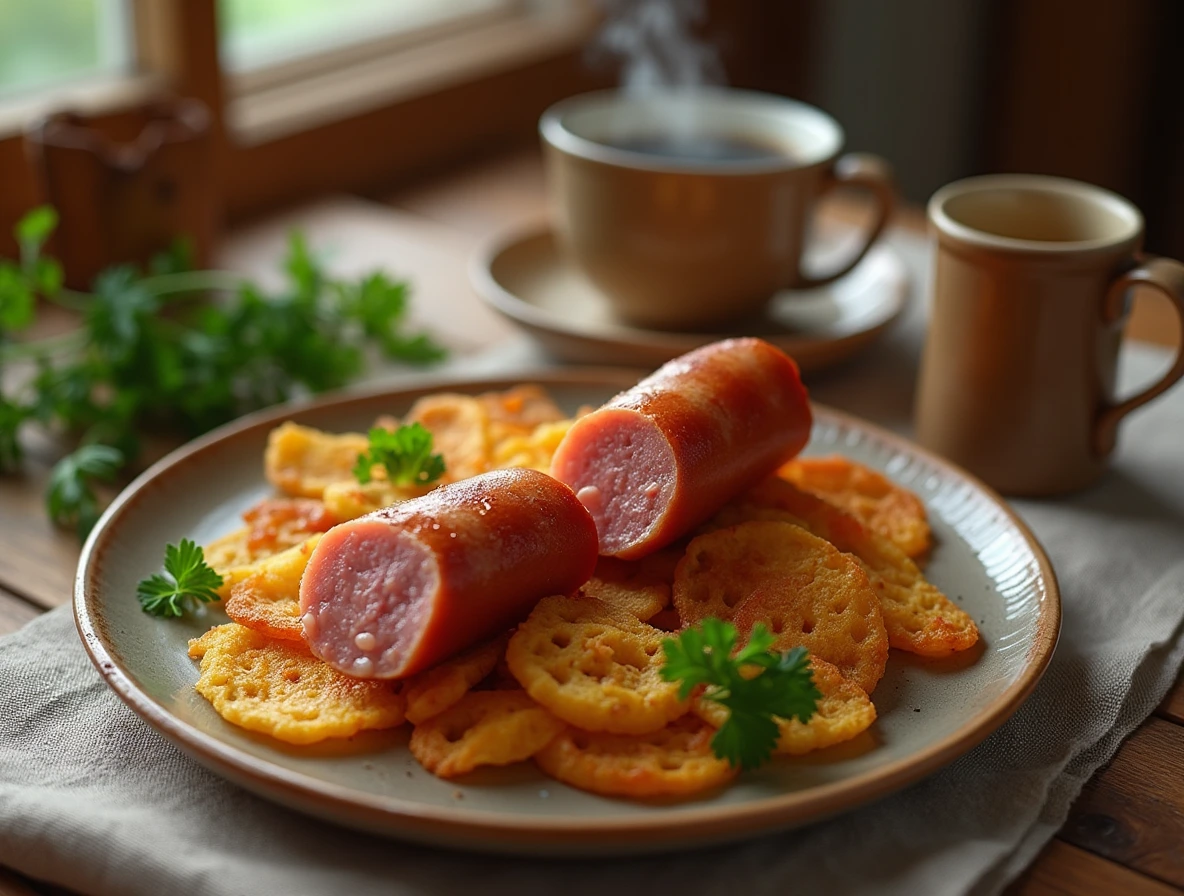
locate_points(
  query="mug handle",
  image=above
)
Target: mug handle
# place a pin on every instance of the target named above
(1167, 276)
(869, 172)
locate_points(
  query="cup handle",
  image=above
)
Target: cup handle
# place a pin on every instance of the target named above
(1167, 276)
(868, 172)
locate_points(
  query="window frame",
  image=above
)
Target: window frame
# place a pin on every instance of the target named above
(362, 147)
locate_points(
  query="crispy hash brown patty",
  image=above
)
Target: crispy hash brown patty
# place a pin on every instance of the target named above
(268, 599)
(918, 617)
(433, 690)
(483, 728)
(873, 499)
(805, 591)
(673, 761)
(627, 587)
(594, 666)
(279, 688)
(845, 711)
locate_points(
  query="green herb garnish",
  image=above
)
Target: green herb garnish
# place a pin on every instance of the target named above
(405, 454)
(782, 688)
(189, 579)
(70, 498)
(175, 351)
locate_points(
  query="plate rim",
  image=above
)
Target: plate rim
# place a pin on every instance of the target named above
(493, 293)
(557, 835)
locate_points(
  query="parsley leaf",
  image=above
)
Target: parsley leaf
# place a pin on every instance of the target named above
(34, 229)
(189, 579)
(70, 498)
(783, 686)
(16, 298)
(405, 454)
(12, 415)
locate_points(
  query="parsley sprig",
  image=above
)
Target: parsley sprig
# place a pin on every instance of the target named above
(189, 579)
(405, 454)
(783, 686)
(176, 351)
(70, 498)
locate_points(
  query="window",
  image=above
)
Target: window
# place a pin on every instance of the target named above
(48, 43)
(261, 34)
(294, 64)
(305, 95)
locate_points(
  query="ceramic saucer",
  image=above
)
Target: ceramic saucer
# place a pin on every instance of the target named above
(526, 276)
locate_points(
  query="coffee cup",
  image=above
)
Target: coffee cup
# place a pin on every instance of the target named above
(1031, 292)
(689, 208)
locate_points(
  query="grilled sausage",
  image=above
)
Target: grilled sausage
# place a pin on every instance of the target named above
(403, 588)
(665, 455)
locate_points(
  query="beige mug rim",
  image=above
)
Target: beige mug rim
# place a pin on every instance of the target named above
(946, 225)
(555, 133)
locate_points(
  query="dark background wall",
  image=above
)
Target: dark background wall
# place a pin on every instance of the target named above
(1090, 89)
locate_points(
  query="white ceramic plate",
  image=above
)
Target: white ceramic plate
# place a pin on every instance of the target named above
(527, 278)
(929, 711)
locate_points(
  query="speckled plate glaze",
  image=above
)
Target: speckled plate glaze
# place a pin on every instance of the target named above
(929, 712)
(527, 278)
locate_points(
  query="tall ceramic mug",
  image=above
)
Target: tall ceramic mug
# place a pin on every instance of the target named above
(689, 208)
(1031, 288)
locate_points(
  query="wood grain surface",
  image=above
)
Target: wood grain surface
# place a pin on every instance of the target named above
(1124, 834)
(1132, 811)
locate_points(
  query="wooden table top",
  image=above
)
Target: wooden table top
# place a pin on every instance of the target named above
(1125, 834)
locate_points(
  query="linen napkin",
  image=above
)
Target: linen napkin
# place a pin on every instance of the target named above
(93, 799)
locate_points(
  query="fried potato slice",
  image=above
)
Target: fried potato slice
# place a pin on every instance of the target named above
(459, 427)
(434, 690)
(273, 525)
(918, 617)
(268, 599)
(301, 461)
(594, 666)
(230, 552)
(233, 575)
(873, 499)
(279, 688)
(484, 728)
(533, 449)
(629, 587)
(276, 524)
(674, 761)
(806, 591)
(350, 499)
(845, 711)
(522, 409)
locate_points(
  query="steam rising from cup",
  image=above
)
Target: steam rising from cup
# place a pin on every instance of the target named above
(656, 41)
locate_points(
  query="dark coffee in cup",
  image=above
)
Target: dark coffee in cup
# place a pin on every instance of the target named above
(703, 147)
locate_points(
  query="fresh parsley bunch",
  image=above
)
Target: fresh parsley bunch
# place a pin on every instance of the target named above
(177, 351)
(783, 686)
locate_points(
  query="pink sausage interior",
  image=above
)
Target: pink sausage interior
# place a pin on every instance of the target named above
(373, 588)
(623, 470)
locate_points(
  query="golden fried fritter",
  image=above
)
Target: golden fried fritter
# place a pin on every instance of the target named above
(594, 666)
(873, 499)
(674, 761)
(279, 688)
(805, 591)
(484, 728)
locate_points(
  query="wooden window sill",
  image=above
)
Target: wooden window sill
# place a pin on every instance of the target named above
(108, 93)
(270, 111)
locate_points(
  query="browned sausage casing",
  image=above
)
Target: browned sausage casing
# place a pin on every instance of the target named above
(401, 589)
(665, 455)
